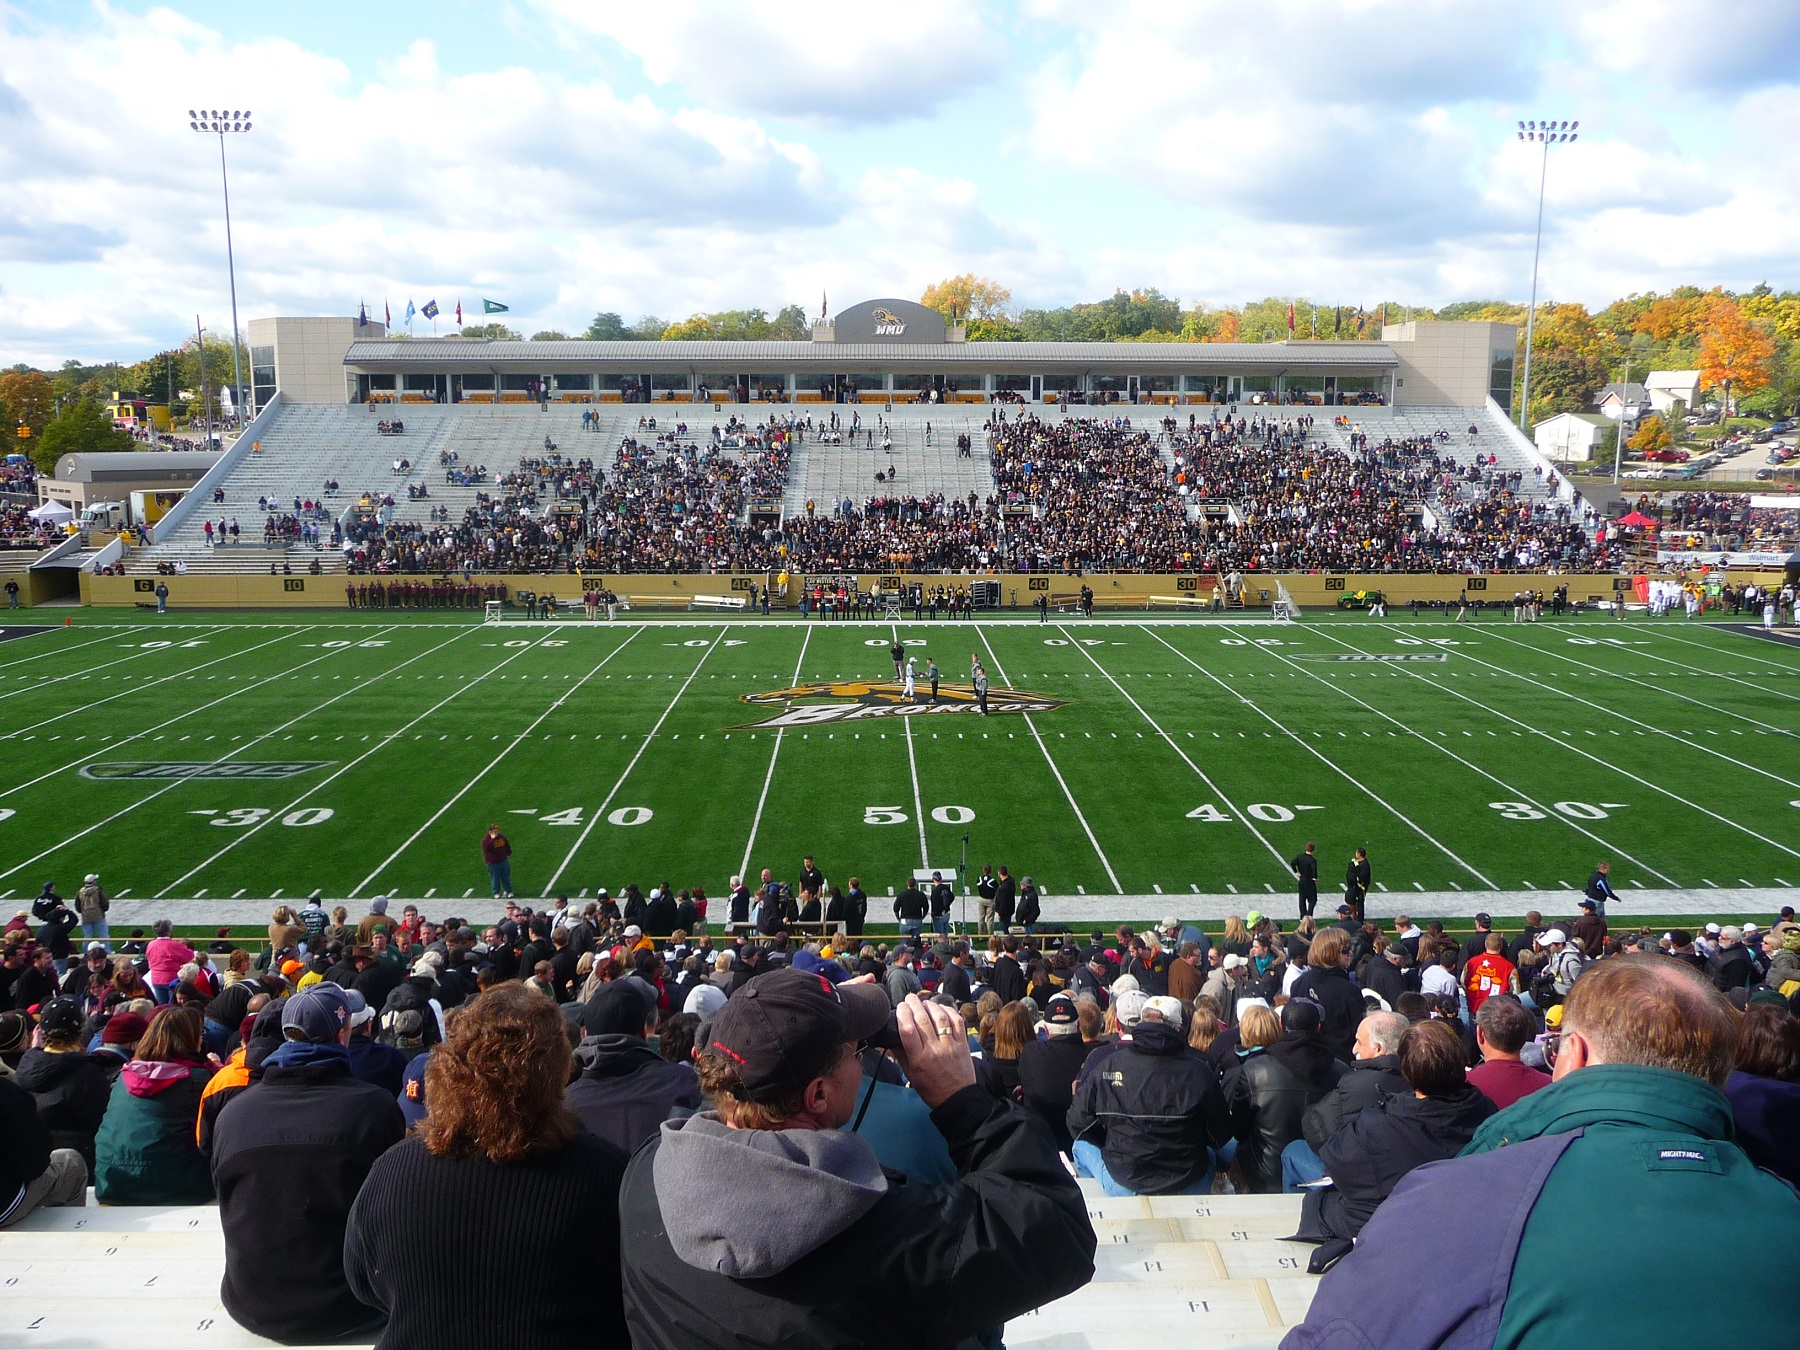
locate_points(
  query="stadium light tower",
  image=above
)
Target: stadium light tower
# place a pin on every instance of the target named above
(222, 124)
(1545, 134)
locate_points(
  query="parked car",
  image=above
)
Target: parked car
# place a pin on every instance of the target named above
(1764, 475)
(1666, 456)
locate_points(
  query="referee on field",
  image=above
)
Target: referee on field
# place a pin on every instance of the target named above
(981, 682)
(1306, 867)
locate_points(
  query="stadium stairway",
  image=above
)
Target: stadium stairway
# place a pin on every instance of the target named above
(1185, 1269)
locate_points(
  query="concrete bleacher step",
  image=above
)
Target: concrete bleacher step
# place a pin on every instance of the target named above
(1196, 1269)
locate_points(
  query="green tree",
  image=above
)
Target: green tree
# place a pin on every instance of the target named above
(994, 330)
(648, 328)
(499, 332)
(83, 427)
(549, 335)
(606, 327)
(790, 324)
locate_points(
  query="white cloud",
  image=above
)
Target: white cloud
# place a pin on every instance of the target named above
(803, 59)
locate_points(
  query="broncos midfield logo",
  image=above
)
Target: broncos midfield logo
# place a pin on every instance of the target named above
(823, 702)
(887, 322)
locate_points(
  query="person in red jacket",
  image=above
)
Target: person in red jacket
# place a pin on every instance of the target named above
(1501, 1028)
(496, 852)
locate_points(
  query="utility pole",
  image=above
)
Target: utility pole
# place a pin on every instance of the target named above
(1545, 134)
(220, 123)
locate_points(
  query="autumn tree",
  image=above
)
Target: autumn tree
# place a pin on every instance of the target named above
(29, 397)
(967, 297)
(1735, 352)
(83, 428)
(1652, 434)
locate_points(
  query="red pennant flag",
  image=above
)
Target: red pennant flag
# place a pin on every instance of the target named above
(459, 313)
(1290, 316)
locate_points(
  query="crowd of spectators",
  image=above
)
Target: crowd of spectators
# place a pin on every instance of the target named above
(398, 1088)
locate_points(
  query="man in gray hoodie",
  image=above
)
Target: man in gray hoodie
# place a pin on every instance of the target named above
(764, 1222)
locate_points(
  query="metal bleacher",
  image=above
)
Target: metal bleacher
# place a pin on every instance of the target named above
(1180, 1270)
(824, 473)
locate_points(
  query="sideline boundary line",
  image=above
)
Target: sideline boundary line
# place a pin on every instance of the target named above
(1243, 817)
(1044, 747)
(1776, 665)
(1473, 767)
(505, 750)
(1568, 745)
(257, 683)
(1324, 759)
(247, 745)
(326, 782)
(600, 810)
(769, 777)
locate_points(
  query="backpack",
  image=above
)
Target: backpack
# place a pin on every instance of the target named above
(407, 1020)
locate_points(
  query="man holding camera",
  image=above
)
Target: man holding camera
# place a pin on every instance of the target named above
(764, 1220)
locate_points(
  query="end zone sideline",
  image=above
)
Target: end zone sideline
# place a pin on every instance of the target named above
(1081, 910)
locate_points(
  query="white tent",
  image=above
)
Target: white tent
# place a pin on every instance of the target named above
(53, 513)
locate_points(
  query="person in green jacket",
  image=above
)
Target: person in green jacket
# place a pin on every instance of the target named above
(1622, 1174)
(145, 1153)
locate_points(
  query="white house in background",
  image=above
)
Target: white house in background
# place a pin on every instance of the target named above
(1666, 387)
(1632, 396)
(1572, 437)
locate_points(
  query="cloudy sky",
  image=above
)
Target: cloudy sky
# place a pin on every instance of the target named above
(568, 156)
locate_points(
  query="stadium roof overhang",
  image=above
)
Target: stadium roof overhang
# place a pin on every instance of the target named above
(458, 355)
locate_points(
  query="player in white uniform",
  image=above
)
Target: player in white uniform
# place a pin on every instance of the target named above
(907, 689)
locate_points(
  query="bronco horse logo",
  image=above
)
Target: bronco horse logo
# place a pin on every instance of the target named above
(827, 701)
(888, 323)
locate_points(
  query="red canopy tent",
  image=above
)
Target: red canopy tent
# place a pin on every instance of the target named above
(1637, 520)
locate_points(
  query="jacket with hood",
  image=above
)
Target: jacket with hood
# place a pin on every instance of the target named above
(773, 1238)
(1269, 1095)
(243, 1068)
(1632, 1167)
(1767, 1111)
(298, 1143)
(1360, 1088)
(1368, 1157)
(145, 1153)
(1155, 1106)
(626, 1089)
(1784, 968)
(71, 1090)
(1047, 1073)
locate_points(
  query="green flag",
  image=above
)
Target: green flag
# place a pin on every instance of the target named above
(492, 307)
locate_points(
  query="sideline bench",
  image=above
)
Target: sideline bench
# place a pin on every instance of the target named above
(718, 602)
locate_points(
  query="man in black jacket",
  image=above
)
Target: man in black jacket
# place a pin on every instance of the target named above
(1005, 898)
(32, 1173)
(762, 1221)
(1007, 977)
(1375, 1073)
(626, 1089)
(1144, 1120)
(1048, 1068)
(1369, 1156)
(910, 907)
(298, 1143)
(1306, 868)
(955, 979)
(70, 1086)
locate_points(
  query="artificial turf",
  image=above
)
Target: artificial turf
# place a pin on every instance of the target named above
(1180, 755)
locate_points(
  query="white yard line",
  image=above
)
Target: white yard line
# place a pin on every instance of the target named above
(1326, 760)
(152, 684)
(912, 763)
(1566, 745)
(466, 787)
(136, 656)
(113, 747)
(774, 754)
(1738, 653)
(229, 754)
(326, 782)
(56, 651)
(1242, 817)
(600, 811)
(1074, 806)
(1647, 726)
(1514, 793)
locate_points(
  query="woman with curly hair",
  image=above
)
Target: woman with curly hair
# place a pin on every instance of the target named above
(499, 1174)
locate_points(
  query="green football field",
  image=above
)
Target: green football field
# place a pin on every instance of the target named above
(218, 755)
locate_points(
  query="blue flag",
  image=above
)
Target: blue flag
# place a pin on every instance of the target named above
(362, 316)
(431, 310)
(410, 311)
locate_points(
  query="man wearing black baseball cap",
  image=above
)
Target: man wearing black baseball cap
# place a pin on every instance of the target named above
(765, 1221)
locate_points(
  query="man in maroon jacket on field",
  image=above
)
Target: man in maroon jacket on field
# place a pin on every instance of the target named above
(496, 852)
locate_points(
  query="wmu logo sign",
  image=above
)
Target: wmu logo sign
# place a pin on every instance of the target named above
(888, 323)
(287, 768)
(811, 705)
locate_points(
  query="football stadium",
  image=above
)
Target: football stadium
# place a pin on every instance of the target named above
(925, 822)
